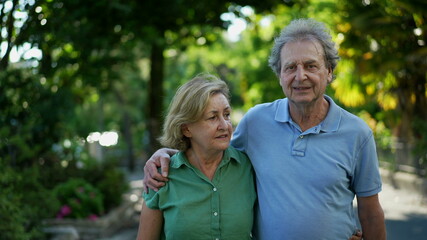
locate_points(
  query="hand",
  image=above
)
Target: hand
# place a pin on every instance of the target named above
(152, 178)
(357, 235)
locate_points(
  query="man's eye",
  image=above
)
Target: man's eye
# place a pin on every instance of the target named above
(289, 68)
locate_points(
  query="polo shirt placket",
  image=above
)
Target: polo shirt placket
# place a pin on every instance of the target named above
(300, 143)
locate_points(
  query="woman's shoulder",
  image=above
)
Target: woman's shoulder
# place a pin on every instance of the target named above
(238, 155)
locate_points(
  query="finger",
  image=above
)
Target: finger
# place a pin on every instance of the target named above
(153, 181)
(150, 171)
(357, 235)
(164, 165)
(155, 185)
(144, 186)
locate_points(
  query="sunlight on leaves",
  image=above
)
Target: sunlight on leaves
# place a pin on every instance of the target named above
(346, 90)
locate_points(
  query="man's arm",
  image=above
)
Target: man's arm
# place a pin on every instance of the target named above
(152, 178)
(371, 218)
(150, 223)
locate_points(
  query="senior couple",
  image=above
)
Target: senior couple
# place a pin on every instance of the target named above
(293, 167)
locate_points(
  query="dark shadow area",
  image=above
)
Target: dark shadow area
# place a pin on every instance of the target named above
(412, 228)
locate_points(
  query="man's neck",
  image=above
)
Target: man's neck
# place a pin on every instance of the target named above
(309, 115)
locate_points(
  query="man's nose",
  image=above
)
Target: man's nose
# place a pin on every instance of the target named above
(300, 73)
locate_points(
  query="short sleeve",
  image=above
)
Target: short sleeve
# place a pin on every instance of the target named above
(151, 199)
(239, 135)
(367, 181)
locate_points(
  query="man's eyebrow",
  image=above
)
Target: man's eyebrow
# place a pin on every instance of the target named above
(289, 63)
(310, 61)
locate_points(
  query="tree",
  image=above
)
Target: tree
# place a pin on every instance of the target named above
(387, 40)
(185, 22)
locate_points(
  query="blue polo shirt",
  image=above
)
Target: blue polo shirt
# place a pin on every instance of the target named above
(195, 207)
(306, 181)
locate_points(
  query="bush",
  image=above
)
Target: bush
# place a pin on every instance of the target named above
(23, 203)
(109, 180)
(79, 199)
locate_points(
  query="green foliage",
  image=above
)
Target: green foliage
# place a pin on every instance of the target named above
(23, 203)
(79, 199)
(386, 42)
(14, 221)
(420, 150)
(110, 181)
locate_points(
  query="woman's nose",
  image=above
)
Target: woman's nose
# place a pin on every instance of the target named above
(222, 123)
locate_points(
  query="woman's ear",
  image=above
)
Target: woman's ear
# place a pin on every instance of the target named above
(185, 131)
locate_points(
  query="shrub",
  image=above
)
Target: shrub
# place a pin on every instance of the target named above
(79, 199)
(110, 180)
(23, 203)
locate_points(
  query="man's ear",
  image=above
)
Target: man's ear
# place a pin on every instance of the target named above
(185, 131)
(330, 75)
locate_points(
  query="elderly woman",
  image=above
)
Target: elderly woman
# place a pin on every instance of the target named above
(210, 193)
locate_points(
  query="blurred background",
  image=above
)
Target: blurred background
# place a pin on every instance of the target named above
(84, 86)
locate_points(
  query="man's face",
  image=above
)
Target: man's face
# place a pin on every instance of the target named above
(304, 74)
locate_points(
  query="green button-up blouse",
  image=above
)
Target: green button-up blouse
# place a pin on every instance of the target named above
(196, 208)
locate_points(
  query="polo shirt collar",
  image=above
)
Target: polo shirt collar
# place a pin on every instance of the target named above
(282, 111)
(329, 124)
(332, 121)
(180, 158)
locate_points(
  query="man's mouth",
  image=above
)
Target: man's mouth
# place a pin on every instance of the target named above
(301, 88)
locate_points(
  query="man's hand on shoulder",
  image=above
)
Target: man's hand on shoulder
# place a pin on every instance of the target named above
(152, 178)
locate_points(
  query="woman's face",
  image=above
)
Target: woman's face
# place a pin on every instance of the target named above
(213, 131)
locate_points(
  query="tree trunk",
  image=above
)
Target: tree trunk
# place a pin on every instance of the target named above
(155, 96)
(126, 129)
(128, 138)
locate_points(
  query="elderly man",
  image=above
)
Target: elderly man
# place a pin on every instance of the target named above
(310, 156)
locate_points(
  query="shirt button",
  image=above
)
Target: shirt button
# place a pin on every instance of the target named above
(214, 189)
(302, 136)
(215, 214)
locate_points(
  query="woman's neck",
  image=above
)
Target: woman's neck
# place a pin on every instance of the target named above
(206, 163)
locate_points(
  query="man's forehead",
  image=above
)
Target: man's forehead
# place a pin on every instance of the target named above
(305, 50)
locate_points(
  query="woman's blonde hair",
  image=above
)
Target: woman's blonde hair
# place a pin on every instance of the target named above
(187, 106)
